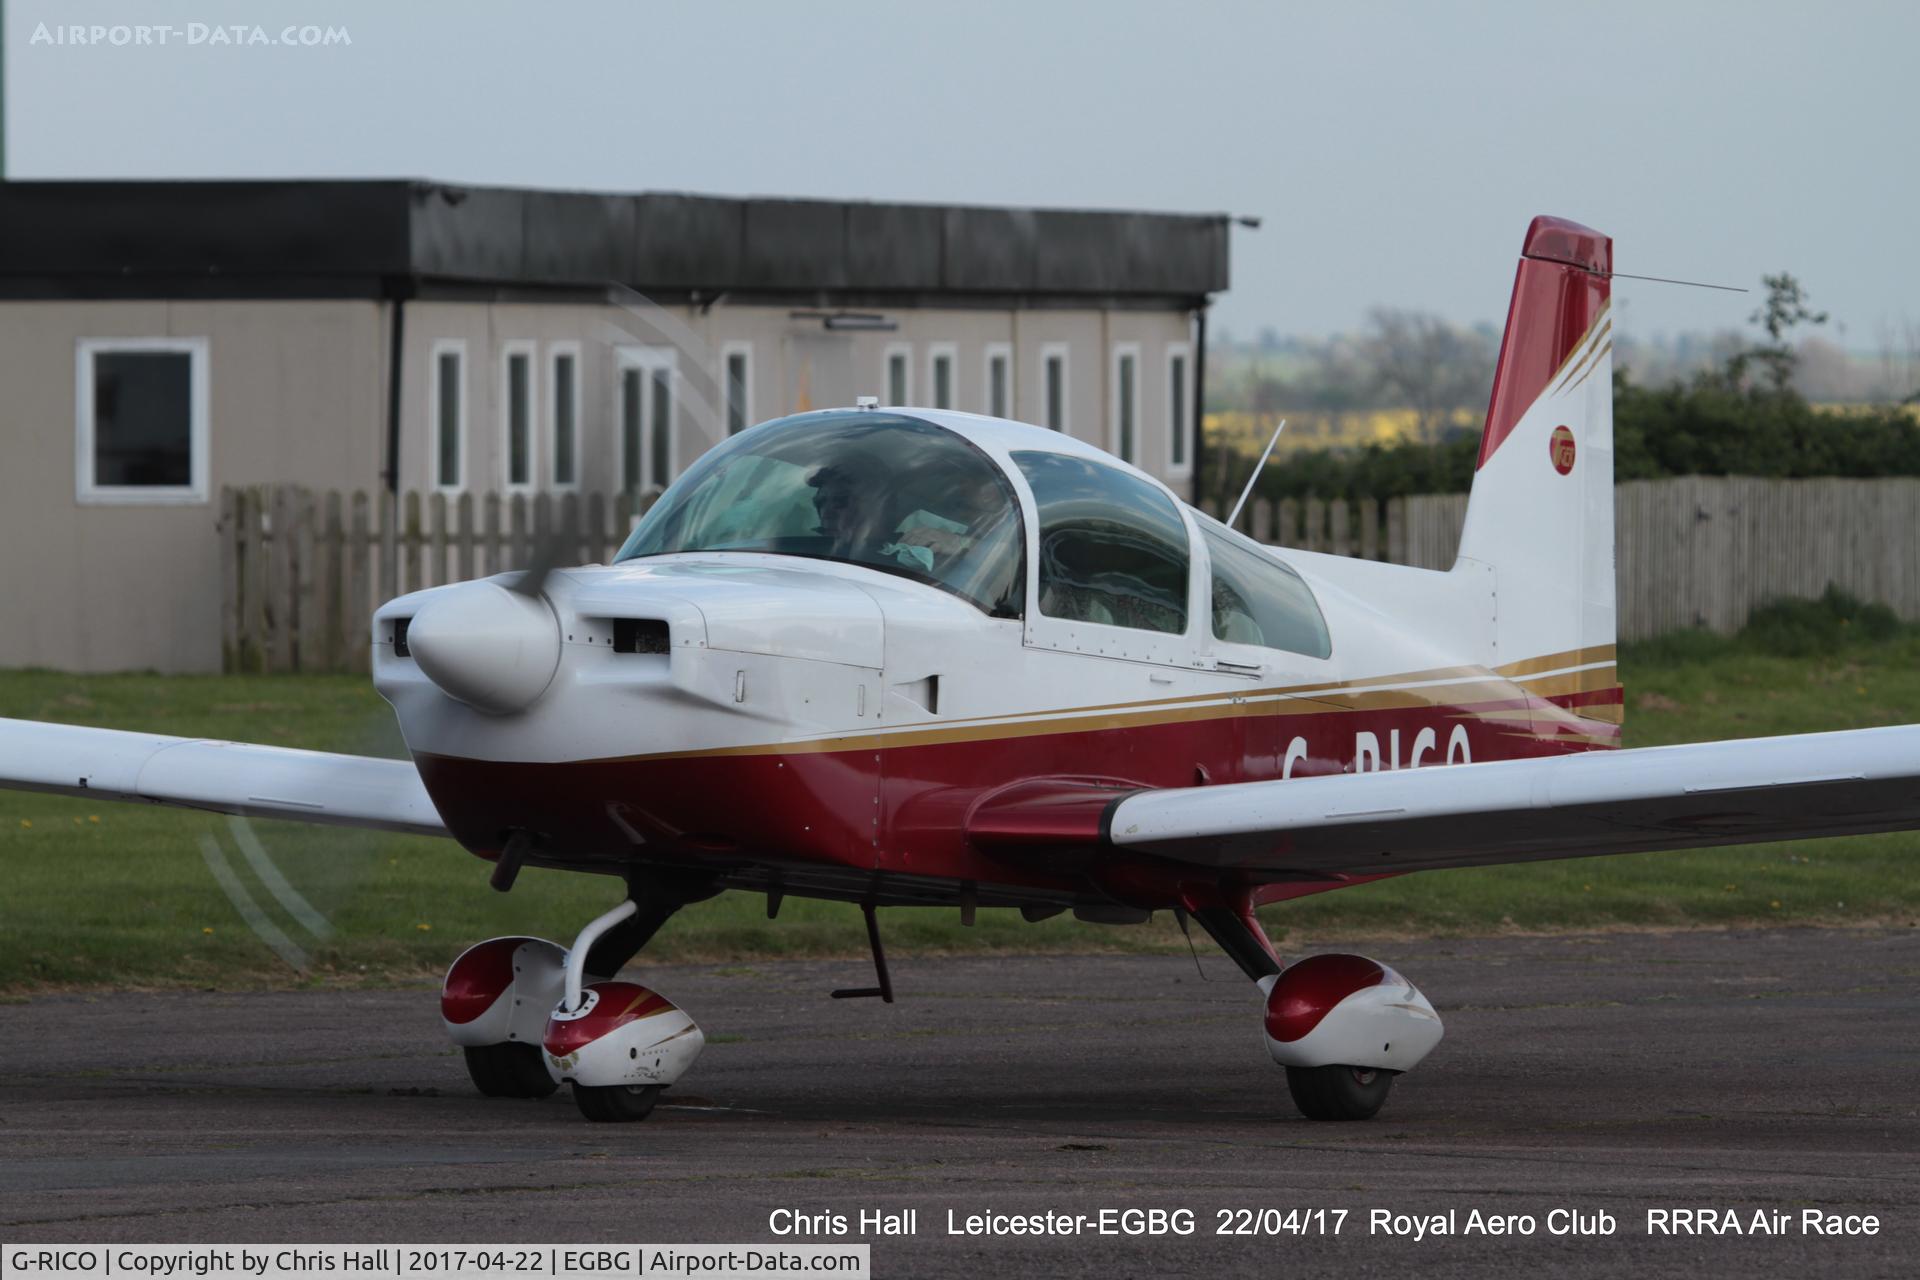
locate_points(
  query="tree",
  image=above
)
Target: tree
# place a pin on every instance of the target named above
(1428, 364)
(1784, 310)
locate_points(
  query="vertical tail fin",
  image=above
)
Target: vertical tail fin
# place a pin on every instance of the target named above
(1541, 512)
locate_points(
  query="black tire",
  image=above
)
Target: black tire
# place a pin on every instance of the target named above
(510, 1070)
(1338, 1093)
(616, 1103)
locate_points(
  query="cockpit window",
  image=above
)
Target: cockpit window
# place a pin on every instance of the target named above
(881, 490)
(1258, 600)
(1113, 548)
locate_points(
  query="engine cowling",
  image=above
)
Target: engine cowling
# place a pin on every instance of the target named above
(1347, 1010)
(621, 1034)
(502, 990)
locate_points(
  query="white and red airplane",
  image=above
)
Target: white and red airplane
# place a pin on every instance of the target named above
(910, 657)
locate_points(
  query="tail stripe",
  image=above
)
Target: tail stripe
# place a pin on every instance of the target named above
(1590, 346)
(1595, 365)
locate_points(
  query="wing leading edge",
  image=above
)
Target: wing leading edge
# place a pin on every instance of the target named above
(225, 777)
(1708, 793)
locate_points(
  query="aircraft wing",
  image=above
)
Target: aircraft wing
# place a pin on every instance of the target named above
(225, 777)
(1568, 806)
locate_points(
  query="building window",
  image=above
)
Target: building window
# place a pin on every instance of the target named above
(141, 420)
(516, 415)
(633, 454)
(564, 373)
(660, 427)
(1179, 405)
(1126, 402)
(447, 411)
(899, 373)
(940, 375)
(999, 397)
(646, 420)
(739, 387)
(1053, 360)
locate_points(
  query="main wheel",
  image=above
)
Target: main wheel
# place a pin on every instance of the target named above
(510, 1070)
(1338, 1093)
(616, 1103)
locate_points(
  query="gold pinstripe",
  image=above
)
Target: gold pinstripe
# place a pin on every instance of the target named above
(1541, 677)
(1592, 354)
(1596, 365)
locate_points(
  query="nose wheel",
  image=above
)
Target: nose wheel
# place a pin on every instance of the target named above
(616, 1103)
(510, 1070)
(1338, 1092)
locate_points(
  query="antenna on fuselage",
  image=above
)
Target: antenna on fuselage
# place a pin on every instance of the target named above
(1258, 467)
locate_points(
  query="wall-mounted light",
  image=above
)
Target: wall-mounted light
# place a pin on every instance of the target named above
(843, 321)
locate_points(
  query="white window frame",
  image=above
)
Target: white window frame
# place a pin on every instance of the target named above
(648, 362)
(998, 351)
(508, 350)
(86, 490)
(727, 353)
(902, 351)
(936, 352)
(1122, 350)
(457, 348)
(1180, 470)
(552, 416)
(1062, 352)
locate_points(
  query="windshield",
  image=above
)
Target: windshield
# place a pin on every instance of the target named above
(880, 490)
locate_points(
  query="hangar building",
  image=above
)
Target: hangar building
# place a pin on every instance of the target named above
(161, 340)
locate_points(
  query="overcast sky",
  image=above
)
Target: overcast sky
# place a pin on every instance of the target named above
(1393, 151)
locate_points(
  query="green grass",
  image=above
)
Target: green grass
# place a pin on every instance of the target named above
(118, 895)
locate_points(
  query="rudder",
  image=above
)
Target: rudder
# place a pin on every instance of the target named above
(1541, 512)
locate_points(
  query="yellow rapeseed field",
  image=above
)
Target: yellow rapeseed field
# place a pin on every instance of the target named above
(1247, 433)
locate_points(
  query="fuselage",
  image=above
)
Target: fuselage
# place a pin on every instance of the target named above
(834, 728)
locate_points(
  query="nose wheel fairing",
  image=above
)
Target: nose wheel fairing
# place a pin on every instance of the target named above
(500, 991)
(623, 1036)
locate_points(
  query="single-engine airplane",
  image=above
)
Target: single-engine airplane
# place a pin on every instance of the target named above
(912, 657)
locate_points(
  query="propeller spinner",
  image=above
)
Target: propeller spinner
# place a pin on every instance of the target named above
(486, 645)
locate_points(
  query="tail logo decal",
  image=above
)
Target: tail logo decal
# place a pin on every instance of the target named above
(1560, 449)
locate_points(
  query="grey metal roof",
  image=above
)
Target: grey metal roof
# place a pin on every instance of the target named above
(347, 238)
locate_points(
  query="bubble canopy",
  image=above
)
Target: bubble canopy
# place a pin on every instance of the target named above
(886, 491)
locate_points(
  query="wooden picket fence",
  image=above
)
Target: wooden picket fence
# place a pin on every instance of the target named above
(1422, 531)
(302, 572)
(1689, 551)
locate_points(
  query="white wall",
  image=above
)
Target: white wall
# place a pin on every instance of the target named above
(294, 392)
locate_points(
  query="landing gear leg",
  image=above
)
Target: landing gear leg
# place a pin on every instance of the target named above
(1234, 926)
(656, 896)
(620, 1044)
